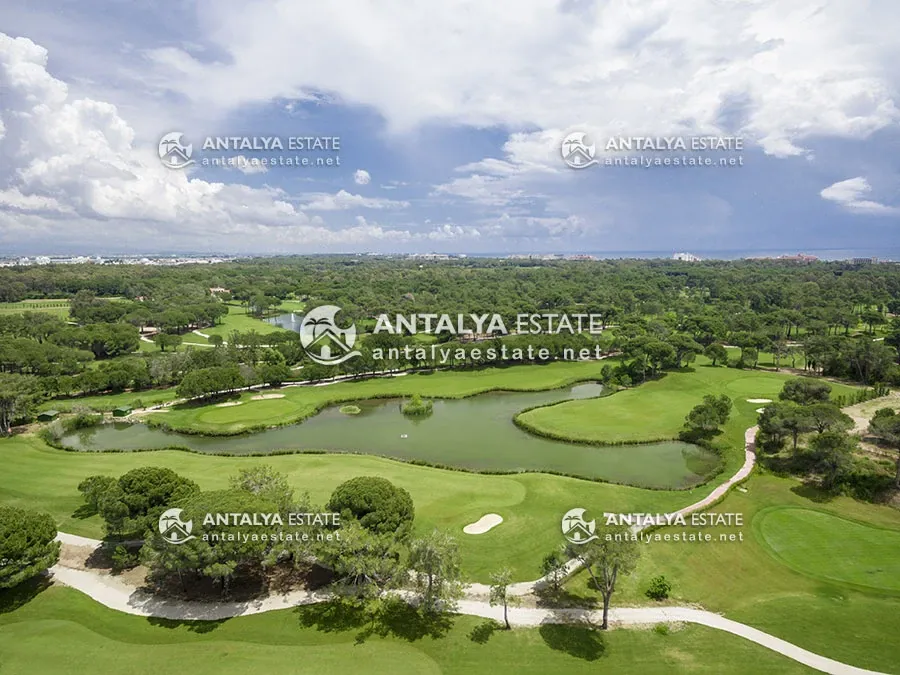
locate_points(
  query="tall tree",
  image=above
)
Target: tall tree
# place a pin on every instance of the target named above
(613, 553)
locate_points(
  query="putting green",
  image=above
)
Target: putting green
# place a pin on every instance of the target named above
(831, 548)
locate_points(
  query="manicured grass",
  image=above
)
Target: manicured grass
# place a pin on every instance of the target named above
(301, 402)
(108, 402)
(656, 409)
(830, 548)
(56, 306)
(237, 319)
(62, 631)
(745, 582)
(531, 505)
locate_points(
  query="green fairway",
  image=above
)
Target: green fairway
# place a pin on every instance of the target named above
(56, 306)
(62, 631)
(656, 410)
(108, 402)
(237, 319)
(744, 581)
(831, 548)
(531, 504)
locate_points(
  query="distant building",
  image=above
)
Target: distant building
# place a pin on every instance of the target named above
(216, 290)
(48, 416)
(122, 411)
(686, 257)
(581, 256)
(864, 261)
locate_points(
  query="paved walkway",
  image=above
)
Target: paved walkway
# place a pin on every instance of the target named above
(115, 594)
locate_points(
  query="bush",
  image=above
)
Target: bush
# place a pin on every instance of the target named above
(659, 588)
(417, 407)
(378, 505)
(350, 409)
(661, 629)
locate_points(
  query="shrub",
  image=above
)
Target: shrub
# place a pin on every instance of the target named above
(661, 629)
(417, 407)
(378, 505)
(659, 588)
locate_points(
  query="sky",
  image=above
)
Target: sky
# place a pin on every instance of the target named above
(451, 120)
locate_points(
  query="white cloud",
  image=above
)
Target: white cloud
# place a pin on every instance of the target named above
(248, 165)
(343, 201)
(70, 174)
(851, 194)
(781, 74)
(361, 177)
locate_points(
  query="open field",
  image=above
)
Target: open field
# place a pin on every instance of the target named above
(531, 505)
(747, 583)
(62, 631)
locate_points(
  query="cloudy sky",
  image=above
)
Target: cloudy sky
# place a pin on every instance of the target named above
(451, 117)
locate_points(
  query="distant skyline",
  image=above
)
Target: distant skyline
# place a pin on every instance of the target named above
(450, 121)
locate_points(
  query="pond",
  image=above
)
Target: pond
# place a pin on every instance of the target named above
(290, 321)
(475, 433)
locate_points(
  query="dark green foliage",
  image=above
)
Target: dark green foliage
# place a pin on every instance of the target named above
(28, 545)
(378, 505)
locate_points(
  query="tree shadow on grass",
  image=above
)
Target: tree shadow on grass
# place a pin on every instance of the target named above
(84, 511)
(201, 627)
(483, 631)
(390, 617)
(813, 492)
(583, 641)
(13, 598)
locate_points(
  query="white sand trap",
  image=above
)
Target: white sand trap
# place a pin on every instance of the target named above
(487, 522)
(759, 410)
(229, 404)
(265, 397)
(759, 400)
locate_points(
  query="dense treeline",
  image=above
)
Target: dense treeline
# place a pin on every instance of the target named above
(831, 319)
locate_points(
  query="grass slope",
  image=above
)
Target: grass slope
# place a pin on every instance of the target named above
(61, 631)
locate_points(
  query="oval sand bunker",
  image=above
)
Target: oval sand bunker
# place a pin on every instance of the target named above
(759, 400)
(266, 397)
(483, 524)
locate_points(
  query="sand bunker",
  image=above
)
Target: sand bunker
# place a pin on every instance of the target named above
(487, 522)
(759, 400)
(229, 404)
(759, 410)
(265, 397)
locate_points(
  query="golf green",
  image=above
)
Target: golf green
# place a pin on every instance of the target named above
(831, 548)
